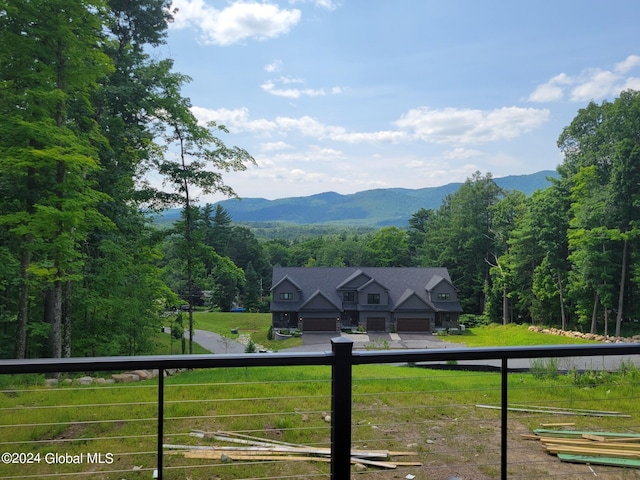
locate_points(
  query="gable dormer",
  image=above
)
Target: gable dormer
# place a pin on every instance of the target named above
(411, 301)
(318, 301)
(373, 293)
(286, 290)
(440, 289)
(354, 281)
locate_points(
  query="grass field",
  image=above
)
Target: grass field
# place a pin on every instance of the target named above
(511, 335)
(257, 325)
(430, 412)
(254, 324)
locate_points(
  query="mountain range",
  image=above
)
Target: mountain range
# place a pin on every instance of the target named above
(370, 208)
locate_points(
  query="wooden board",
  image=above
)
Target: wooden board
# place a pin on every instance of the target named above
(614, 462)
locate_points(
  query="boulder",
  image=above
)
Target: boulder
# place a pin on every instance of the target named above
(84, 381)
(125, 377)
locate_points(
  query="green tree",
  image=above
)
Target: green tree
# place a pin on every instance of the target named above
(601, 148)
(388, 247)
(459, 237)
(50, 65)
(200, 157)
(505, 216)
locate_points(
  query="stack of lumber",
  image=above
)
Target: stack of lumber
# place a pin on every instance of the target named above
(261, 449)
(595, 448)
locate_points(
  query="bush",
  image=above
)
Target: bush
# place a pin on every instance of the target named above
(470, 320)
(544, 367)
(251, 347)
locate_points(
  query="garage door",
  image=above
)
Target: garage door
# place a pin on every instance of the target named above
(413, 325)
(319, 325)
(375, 324)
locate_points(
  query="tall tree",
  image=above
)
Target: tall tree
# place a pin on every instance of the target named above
(50, 65)
(606, 139)
(459, 238)
(196, 163)
(505, 216)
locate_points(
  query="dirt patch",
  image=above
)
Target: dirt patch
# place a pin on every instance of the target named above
(73, 431)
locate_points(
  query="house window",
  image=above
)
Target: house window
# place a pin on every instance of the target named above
(373, 299)
(443, 296)
(349, 296)
(286, 296)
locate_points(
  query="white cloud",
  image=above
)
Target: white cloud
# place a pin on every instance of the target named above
(275, 146)
(448, 126)
(627, 64)
(270, 88)
(273, 67)
(326, 4)
(289, 80)
(236, 120)
(460, 153)
(236, 22)
(466, 126)
(590, 84)
(551, 91)
(392, 136)
(597, 84)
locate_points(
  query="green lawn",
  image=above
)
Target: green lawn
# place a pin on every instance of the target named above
(393, 406)
(495, 335)
(164, 344)
(433, 411)
(254, 324)
(511, 335)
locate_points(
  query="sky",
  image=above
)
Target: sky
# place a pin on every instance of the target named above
(353, 95)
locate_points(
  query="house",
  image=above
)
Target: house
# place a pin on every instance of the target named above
(327, 299)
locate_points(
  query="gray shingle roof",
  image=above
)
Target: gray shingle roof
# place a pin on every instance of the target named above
(397, 280)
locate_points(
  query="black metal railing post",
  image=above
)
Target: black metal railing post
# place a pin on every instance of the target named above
(341, 387)
(504, 410)
(160, 420)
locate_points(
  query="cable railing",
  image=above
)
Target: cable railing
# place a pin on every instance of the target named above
(330, 416)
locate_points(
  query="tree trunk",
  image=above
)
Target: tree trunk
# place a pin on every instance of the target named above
(594, 314)
(23, 303)
(623, 276)
(563, 314)
(606, 322)
(66, 319)
(187, 238)
(505, 306)
(53, 316)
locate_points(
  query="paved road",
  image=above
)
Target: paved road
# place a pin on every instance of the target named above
(215, 343)
(319, 342)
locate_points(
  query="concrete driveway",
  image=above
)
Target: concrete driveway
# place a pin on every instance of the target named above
(321, 342)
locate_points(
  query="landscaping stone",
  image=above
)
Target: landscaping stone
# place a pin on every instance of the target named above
(143, 374)
(51, 382)
(125, 377)
(586, 336)
(84, 381)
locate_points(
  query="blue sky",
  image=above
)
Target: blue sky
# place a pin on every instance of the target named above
(351, 95)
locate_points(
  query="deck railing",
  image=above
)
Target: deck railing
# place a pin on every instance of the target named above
(340, 359)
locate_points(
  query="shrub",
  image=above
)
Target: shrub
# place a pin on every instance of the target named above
(251, 347)
(470, 320)
(544, 367)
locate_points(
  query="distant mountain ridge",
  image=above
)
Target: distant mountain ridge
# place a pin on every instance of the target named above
(372, 208)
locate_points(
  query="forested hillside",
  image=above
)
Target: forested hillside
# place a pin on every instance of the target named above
(85, 111)
(369, 209)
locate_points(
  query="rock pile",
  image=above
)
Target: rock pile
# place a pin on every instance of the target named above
(586, 336)
(126, 377)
